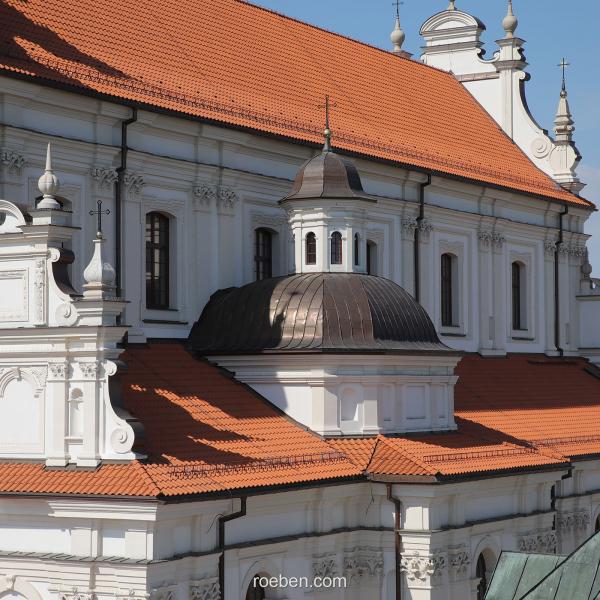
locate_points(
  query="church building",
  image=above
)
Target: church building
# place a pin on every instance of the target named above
(286, 316)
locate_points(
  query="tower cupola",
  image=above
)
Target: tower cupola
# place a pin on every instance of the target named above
(327, 211)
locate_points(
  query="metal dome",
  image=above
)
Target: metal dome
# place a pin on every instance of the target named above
(316, 312)
(328, 175)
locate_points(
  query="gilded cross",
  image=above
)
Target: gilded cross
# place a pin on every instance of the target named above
(397, 4)
(99, 212)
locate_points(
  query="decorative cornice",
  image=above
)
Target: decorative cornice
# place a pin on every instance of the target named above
(12, 159)
(104, 176)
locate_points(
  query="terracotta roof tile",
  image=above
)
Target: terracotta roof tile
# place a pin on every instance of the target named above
(232, 62)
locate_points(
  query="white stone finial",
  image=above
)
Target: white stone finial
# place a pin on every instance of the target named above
(510, 22)
(452, 5)
(564, 126)
(99, 275)
(397, 36)
(48, 184)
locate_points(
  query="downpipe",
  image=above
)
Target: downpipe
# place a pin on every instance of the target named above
(559, 242)
(417, 242)
(221, 542)
(397, 540)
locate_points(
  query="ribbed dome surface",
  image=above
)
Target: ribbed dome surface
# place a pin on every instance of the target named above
(328, 175)
(323, 312)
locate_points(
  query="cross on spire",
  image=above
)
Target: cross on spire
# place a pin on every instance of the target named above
(563, 64)
(397, 4)
(99, 212)
(327, 132)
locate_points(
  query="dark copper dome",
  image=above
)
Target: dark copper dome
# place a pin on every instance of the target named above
(328, 175)
(318, 312)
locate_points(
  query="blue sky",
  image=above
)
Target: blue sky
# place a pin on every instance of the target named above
(552, 28)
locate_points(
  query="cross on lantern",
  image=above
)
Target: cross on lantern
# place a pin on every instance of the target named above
(563, 64)
(327, 132)
(99, 212)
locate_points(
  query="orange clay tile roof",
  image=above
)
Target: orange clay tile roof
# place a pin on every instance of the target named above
(207, 433)
(235, 63)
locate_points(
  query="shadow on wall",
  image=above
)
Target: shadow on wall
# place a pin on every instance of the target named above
(21, 37)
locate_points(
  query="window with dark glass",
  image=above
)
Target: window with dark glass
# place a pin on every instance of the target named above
(371, 258)
(480, 573)
(518, 321)
(356, 250)
(336, 248)
(263, 254)
(157, 260)
(447, 291)
(311, 249)
(255, 591)
(597, 525)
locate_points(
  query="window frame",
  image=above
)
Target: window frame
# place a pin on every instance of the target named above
(310, 248)
(449, 291)
(263, 253)
(157, 299)
(336, 249)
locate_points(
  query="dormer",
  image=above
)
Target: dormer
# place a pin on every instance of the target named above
(59, 348)
(327, 212)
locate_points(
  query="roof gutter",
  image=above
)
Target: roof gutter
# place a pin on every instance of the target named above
(121, 169)
(417, 242)
(221, 542)
(559, 243)
(397, 539)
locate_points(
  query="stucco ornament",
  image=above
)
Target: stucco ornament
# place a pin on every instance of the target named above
(544, 542)
(206, 589)
(418, 567)
(362, 562)
(104, 176)
(12, 159)
(76, 594)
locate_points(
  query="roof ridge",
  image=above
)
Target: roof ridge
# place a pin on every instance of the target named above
(407, 454)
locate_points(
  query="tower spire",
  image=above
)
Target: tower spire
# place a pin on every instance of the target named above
(563, 123)
(48, 184)
(510, 22)
(397, 36)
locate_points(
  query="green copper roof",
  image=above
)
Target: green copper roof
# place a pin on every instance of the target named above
(548, 577)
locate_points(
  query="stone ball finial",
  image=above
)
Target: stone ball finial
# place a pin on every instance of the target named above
(48, 184)
(510, 22)
(397, 36)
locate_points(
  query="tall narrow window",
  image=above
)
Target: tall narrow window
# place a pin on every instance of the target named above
(480, 572)
(448, 267)
(518, 296)
(356, 250)
(157, 261)
(371, 258)
(336, 248)
(263, 254)
(597, 525)
(311, 249)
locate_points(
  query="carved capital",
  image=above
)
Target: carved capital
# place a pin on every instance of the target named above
(459, 561)
(105, 177)
(133, 181)
(227, 199)
(90, 370)
(325, 566)
(362, 562)
(204, 193)
(205, 589)
(12, 160)
(58, 370)
(423, 567)
(544, 542)
(76, 594)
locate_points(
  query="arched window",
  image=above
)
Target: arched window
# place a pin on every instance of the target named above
(263, 254)
(356, 250)
(519, 311)
(480, 573)
(157, 260)
(449, 289)
(336, 248)
(255, 591)
(311, 249)
(371, 258)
